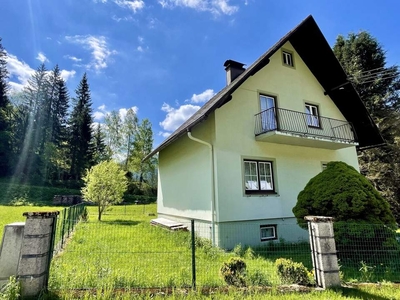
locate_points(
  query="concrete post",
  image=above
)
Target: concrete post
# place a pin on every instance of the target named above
(10, 251)
(34, 265)
(323, 248)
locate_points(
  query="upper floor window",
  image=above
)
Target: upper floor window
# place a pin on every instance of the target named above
(287, 58)
(258, 176)
(312, 115)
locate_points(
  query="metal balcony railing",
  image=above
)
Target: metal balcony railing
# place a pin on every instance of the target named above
(284, 120)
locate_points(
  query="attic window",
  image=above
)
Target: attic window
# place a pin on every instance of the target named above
(287, 58)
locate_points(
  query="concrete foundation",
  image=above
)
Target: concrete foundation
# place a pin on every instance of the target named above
(10, 251)
(323, 250)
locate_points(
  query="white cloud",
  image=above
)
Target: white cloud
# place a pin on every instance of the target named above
(216, 7)
(140, 39)
(140, 49)
(41, 57)
(102, 112)
(73, 58)
(19, 70)
(98, 47)
(119, 19)
(98, 115)
(202, 97)
(176, 116)
(134, 5)
(65, 74)
(164, 134)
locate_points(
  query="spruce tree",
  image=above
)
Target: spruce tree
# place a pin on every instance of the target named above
(99, 149)
(80, 131)
(5, 149)
(378, 85)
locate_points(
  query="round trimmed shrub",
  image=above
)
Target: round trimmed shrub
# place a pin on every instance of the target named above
(343, 193)
(234, 271)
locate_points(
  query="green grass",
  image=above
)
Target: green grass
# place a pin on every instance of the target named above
(11, 214)
(384, 291)
(21, 194)
(125, 251)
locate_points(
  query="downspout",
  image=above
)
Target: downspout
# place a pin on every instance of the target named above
(189, 133)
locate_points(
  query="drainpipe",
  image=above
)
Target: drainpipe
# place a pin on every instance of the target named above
(212, 183)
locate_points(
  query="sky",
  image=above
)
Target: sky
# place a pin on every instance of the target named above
(164, 58)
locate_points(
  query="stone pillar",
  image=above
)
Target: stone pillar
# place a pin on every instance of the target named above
(10, 251)
(323, 250)
(36, 252)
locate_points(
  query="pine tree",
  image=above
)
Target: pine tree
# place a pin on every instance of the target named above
(5, 147)
(99, 149)
(80, 134)
(364, 60)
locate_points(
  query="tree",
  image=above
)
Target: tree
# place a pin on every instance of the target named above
(80, 133)
(105, 184)
(364, 60)
(142, 146)
(113, 126)
(5, 146)
(343, 193)
(99, 149)
(129, 129)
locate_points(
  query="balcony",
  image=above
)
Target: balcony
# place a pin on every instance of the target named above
(283, 126)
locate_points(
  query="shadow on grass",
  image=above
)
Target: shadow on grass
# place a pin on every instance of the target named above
(122, 222)
(354, 292)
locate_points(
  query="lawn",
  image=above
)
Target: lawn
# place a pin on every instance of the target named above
(11, 214)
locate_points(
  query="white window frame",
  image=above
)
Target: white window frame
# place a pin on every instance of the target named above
(274, 236)
(324, 165)
(257, 183)
(287, 58)
(312, 112)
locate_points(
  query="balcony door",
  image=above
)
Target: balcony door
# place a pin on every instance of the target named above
(268, 115)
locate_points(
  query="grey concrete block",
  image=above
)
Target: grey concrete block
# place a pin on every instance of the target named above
(32, 265)
(36, 245)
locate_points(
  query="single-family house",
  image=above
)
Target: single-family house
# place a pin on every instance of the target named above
(237, 165)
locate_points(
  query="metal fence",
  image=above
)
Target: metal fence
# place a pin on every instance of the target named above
(66, 223)
(368, 252)
(125, 251)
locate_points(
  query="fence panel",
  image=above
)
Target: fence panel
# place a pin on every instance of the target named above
(368, 252)
(125, 251)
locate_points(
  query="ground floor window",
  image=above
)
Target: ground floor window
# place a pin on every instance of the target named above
(258, 176)
(268, 232)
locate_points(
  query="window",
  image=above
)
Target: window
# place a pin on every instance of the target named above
(258, 177)
(287, 58)
(268, 232)
(312, 115)
(324, 165)
(268, 118)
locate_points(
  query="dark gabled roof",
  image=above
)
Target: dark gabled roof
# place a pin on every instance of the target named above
(309, 42)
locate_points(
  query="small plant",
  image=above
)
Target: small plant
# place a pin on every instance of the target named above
(257, 278)
(238, 250)
(291, 272)
(12, 290)
(367, 272)
(234, 272)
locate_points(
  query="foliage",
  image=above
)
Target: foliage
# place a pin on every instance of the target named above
(234, 271)
(364, 60)
(99, 149)
(12, 290)
(80, 134)
(105, 184)
(291, 272)
(343, 193)
(145, 171)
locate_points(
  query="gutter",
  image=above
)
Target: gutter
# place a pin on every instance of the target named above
(189, 134)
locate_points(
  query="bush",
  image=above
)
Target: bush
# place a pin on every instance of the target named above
(234, 271)
(11, 291)
(291, 272)
(343, 193)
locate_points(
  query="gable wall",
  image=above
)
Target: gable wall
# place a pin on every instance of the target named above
(293, 166)
(184, 175)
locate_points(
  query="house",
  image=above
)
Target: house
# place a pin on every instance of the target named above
(237, 165)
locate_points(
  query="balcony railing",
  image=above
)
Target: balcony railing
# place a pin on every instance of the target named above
(284, 120)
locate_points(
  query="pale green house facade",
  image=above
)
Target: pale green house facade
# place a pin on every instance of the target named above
(238, 164)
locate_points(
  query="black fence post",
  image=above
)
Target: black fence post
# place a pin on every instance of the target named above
(193, 256)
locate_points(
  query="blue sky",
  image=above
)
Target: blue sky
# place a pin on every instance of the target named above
(165, 57)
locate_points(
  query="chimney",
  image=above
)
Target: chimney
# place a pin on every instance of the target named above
(233, 69)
